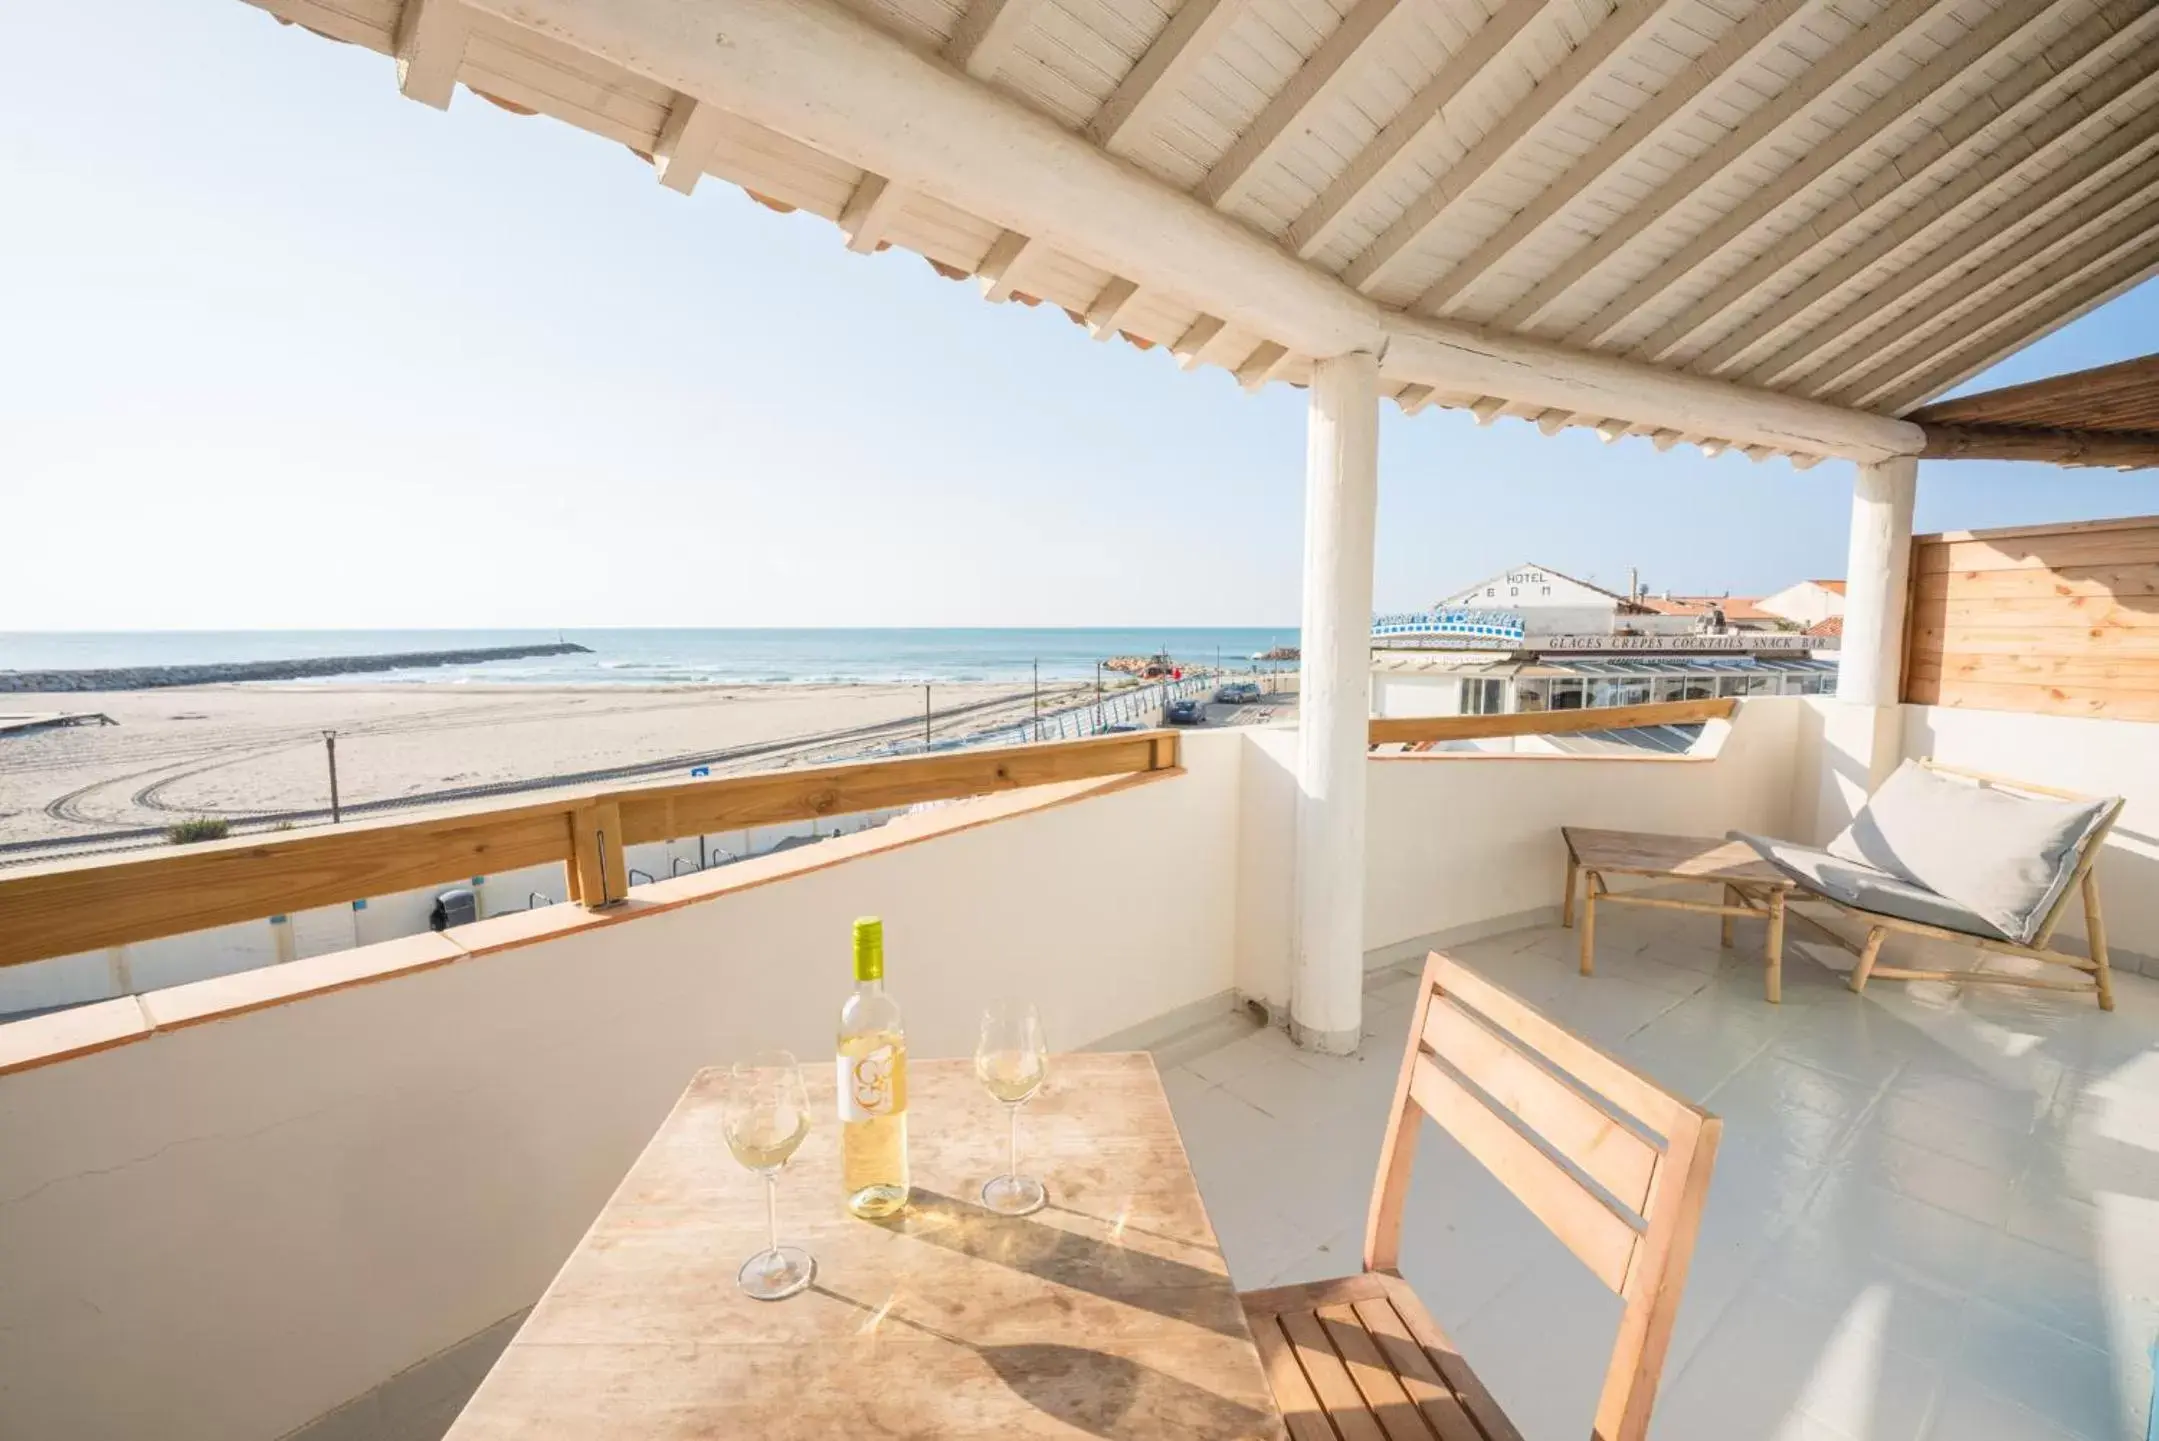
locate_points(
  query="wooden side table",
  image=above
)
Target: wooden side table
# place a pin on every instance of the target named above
(1752, 887)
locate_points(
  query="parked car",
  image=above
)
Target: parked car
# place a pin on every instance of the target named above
(1184, 713)
(1241, 692)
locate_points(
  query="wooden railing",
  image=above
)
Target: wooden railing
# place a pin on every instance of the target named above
(1414, 730)
(64, 907)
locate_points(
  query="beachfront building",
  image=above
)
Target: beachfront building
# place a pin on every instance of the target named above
(316, 1200)
(1806, 604)
(1532, 639)
(1545, 601)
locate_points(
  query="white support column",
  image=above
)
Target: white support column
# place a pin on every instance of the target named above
(1864, 732)
(1341, 491)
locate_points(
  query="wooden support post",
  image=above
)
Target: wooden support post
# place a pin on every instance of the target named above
(1589, 923)
(1566, 903)
(599, 876)
(1341, 505)
(1774, 946)
(1867, 956)
(2095, 935)
(1724, 928)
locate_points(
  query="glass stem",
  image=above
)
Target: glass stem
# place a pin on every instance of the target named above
(1014, 1172)
(772, 1212)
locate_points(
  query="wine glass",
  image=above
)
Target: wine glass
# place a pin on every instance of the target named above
(767, 1113)
(1012, 1062)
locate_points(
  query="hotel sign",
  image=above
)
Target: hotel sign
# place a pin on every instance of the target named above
(1744, 641)
(1732, 643)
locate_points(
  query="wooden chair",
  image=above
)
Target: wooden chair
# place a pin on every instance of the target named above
(1360, 1359)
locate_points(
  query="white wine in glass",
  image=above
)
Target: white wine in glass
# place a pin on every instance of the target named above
(767, 1114)
(1012, 1061)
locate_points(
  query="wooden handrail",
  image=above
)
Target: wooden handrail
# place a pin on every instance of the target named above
(86, 904)
(1412, 730)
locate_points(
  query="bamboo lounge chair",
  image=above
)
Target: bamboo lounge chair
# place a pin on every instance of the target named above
(1961, 856)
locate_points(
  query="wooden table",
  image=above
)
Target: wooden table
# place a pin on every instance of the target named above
(1108, 1313)
(1752, 886)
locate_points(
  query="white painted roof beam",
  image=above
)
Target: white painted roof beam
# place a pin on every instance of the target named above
(1398, 243)
(2124, 226)
(1311, 231)
(2002, 123)
(1348, 45)
(2076, 158)
(1189, 38)
(820, 74)
(1974, 47)
(1765, 123)
(1765, 24)
(2000, 248)
(2124, 273)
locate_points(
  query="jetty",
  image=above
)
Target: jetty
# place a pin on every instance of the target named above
(151, 677)
(22, 723)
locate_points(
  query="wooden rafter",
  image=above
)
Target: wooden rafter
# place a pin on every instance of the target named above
(870, 212)
(1262, 365)
(1190, 348)
(431, 36)
(1110, 307)
(979, 45)
(1378, 160)
(686, 142)
(1895, 105)
(1766, 123)
(2104, 279)
(986, 34)
(1398, 243)
(2126, 449)
(1349, 45)
(2121, 396)
(1763, 25)
(1189, 38)
(2121, 202)
(2002, 120)
(1001, 270)
(2067, 136)
(2126, 150)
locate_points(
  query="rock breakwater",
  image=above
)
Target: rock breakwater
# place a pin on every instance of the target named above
(151, 677)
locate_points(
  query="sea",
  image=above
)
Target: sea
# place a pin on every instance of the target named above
(670, 656)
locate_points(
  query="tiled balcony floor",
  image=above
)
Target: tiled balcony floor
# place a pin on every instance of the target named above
(1935, 1213)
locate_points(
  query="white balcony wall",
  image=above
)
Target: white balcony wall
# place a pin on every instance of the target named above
(227, 1230)
(1462, 845)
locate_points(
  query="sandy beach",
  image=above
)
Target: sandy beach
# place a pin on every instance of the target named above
(241, 750)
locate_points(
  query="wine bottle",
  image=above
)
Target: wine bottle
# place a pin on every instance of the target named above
(872, 1084)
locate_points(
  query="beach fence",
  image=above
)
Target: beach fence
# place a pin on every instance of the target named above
(1136, 706)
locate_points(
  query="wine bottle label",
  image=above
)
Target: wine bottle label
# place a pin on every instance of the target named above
(871, 1085)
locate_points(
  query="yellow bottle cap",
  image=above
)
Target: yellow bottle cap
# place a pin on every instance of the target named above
(869, 949)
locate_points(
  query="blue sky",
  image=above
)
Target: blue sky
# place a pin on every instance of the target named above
(285, 349)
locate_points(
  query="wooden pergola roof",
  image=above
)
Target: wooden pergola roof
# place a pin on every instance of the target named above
(2105, 416)
(1838, 208)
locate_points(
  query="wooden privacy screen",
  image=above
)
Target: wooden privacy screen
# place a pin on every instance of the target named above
(2050, 619)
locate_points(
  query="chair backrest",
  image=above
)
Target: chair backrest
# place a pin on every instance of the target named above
(1613, 1164)
(2094, 842)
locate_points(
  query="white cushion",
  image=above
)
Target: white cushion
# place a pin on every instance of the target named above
(2005, 857)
